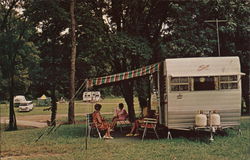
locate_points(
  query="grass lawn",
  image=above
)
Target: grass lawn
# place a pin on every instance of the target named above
(68, 142)
(108, 106)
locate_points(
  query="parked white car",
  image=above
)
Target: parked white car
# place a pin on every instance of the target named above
(26, 106)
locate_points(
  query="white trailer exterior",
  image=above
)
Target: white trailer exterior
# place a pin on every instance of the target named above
(192, 84)
(91, 96)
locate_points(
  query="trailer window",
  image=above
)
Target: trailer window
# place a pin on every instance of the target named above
(204, 83)
(228, 82)
(179, 84)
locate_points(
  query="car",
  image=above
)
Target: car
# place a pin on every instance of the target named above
(26, 106)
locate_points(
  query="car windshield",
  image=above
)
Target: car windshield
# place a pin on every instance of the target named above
(24, 104)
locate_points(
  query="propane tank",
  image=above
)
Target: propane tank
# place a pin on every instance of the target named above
(215, 119)
(200, 119)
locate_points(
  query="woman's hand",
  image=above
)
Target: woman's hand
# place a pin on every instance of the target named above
(103, 119)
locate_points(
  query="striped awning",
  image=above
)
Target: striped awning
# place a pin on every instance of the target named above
(123, 76)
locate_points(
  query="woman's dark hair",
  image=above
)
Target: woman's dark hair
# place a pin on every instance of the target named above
(98, 107)
(121, 105)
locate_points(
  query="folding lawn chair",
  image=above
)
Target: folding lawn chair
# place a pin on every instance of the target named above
(149, 123)
(91, 125)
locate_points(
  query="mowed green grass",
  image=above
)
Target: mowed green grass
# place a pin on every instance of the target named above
(62, 108)
(68, 142)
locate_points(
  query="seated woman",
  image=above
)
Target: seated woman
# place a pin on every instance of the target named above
(100, 122)
(120, 114)
(134, 130)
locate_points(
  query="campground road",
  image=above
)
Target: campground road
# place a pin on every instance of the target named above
(38, 121)
(27, 123)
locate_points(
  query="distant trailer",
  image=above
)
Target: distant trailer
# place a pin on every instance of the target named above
(92, 96)
(188, 85)
(19, 99)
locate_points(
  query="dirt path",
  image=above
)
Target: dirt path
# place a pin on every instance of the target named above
(30, 156)
(38, 121)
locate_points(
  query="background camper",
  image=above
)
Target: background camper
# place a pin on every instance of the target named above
(91, 96)
(19, 99)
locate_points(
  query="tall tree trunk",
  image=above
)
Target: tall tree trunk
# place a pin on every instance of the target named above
(117, 13)
(53, 107)
(245, 67)
(246, 94)
(144, 93)
(71, 114)
(12, 116)
(127, 90)
(248, 98)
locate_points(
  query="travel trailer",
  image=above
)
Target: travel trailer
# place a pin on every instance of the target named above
(190, 85)
(19, 99)
(91, 96)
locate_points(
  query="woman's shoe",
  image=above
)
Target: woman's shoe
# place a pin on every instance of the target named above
(135, 135)
(105, 137)
(129, 135)
(108, 137)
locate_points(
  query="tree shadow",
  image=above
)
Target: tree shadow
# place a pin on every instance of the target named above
(79, 131)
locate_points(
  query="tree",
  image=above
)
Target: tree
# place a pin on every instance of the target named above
(51, 22)
(144, 19)
(126, 51)
(71, 115)
(120, 53)
(129, 24)
(18, 53)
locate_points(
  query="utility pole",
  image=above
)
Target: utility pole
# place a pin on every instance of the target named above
(217, 31)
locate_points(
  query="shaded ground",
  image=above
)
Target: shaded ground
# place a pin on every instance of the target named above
(67, 138)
